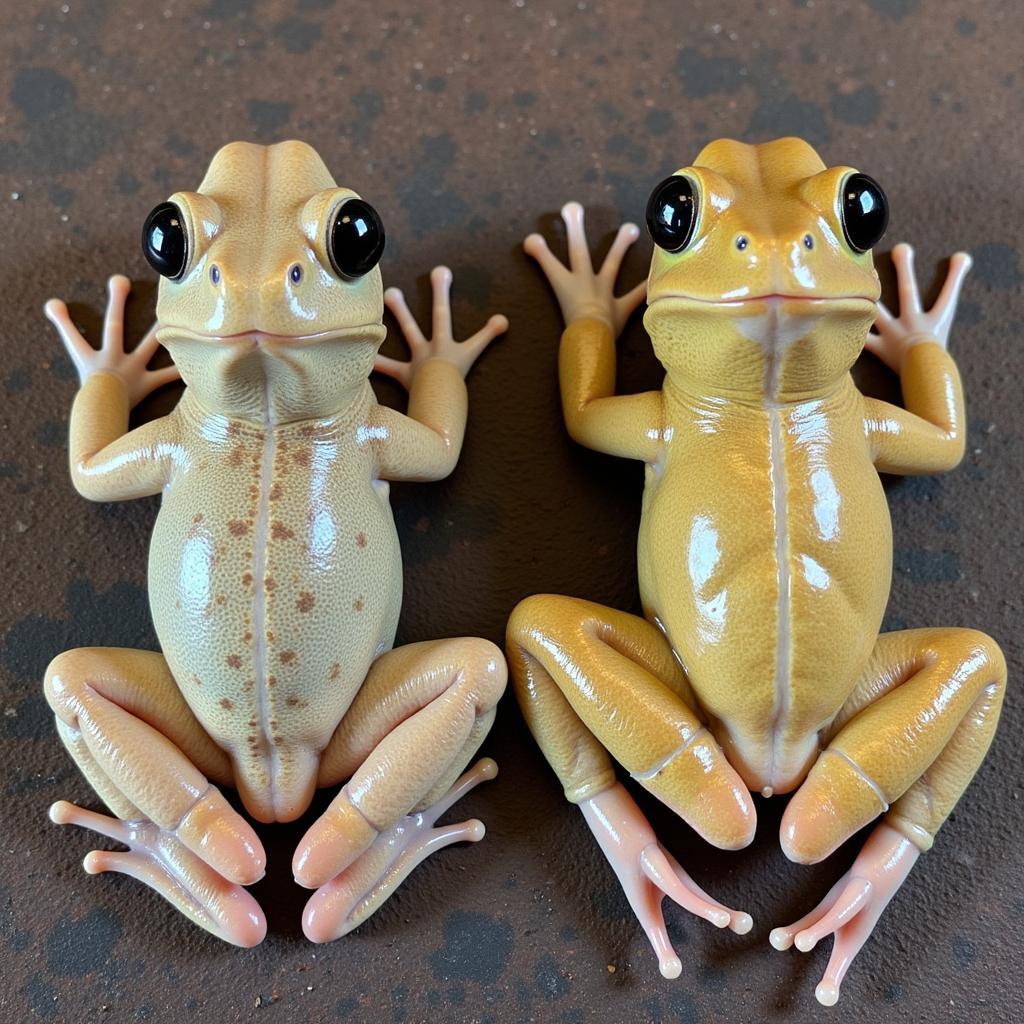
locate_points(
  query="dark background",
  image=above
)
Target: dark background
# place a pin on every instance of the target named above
(467, 126)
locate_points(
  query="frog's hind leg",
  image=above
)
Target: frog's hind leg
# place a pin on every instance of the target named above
(907, 742)
(591, 679)
(123, 720)
(416, 722)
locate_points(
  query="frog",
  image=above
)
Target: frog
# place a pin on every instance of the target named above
(758, 666)
(275, 572)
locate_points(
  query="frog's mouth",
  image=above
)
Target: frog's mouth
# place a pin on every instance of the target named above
(258, 338)
(772, 298)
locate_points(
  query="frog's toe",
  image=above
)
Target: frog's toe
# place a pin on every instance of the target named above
(348, 900)
(159, 859)
(852, 907)
(352, 895)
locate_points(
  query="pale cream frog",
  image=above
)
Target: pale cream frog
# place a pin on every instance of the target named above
(765, 547)
(275, 576)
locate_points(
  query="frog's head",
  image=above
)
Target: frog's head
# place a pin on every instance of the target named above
(762, 283)
(270, 297)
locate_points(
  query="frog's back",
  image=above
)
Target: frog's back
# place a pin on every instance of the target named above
(765, 553)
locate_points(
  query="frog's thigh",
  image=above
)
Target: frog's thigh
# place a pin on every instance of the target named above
(125, 723)
(419, 717)
(591, 679)
(908, 741)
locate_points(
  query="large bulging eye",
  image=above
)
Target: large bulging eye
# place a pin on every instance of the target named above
(165, 241)
(865, 212)
(672, 213)
(355, 239)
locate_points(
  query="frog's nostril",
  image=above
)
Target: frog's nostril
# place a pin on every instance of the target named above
(742, 242)
(808, 241)
(215, 274)
(295, 273)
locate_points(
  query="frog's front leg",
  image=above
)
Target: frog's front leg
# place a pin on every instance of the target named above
(420, 716)
(124, 721)
(591, 679)
(108, 462)
(908, 741)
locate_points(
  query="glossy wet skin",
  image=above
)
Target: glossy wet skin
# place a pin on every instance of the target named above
(765, 547)
(759, 569)
(768, 302)
(259, 213)
(289, 582)
(275, 571)
(241, 328)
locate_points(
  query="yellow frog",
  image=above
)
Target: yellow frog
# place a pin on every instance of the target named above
(275, 576)
(765, 547)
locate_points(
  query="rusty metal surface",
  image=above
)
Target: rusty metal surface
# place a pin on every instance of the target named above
(467, 126)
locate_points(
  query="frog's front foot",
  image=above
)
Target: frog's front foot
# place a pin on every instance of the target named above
(370, 878)
(894, 336)
(159, 859)
(852, 907)
(441, 344)
(648, 873)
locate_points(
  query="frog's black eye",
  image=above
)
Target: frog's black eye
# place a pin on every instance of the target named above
(165, 241)
(865, 212)
(672, 213)
(355, 239)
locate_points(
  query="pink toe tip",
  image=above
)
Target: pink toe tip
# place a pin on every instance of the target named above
(827, 994)
(58, 812)
(805, 943)
(779, 938)
(671, 968)
(742, 922)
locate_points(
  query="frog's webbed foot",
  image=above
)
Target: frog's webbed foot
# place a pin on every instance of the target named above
(403, 745)
(907, 742)
(112, 357)
(159, 859)
(852, 907)
(130, 731)
(648, 873)
(582, 292)
(356, 892)
(441, 344)
(893, 336)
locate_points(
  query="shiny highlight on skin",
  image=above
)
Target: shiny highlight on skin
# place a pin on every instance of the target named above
(764, 555)
(275, 572)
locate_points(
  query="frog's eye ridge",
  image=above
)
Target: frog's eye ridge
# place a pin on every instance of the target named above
(355, 239)
(864, 210)
(165, 241)
(672, 213)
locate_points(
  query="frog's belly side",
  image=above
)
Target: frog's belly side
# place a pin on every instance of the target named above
(270, 604)
(765, 553)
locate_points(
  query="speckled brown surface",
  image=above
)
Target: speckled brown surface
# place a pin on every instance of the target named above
(467, 129)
